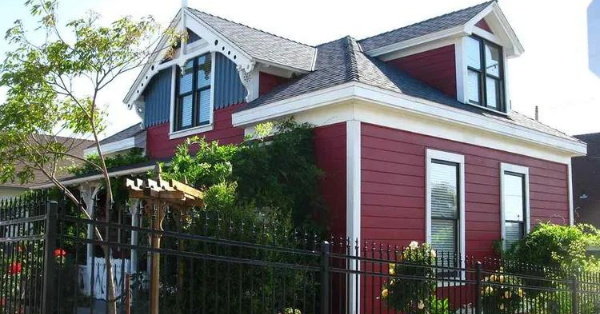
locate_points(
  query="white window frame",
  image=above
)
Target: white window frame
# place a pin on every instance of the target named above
(460, 160)
(202, 128)
(504, 167)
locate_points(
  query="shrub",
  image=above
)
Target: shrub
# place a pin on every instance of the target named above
(501, 292)
(559, 247)
(412, 287)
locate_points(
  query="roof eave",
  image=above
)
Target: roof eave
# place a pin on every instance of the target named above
(356, 90)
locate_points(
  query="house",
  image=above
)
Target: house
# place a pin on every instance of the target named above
(75, 146)
(586, 181)
(413, 127)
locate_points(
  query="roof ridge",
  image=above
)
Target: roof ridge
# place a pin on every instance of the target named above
(256, 29)
(429, 19)
(351, 56)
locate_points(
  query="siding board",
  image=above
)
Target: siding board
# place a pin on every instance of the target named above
(394, 186)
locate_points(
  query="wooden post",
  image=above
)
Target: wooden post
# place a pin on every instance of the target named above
(155, 283)
(127, 293)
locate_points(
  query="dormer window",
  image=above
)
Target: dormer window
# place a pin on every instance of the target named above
(192, 102)
(485, 78)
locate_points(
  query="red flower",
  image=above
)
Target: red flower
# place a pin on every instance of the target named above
(15, 268)
(60, 253)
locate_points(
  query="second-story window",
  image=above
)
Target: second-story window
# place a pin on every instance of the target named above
(485, 77)
(192, 105)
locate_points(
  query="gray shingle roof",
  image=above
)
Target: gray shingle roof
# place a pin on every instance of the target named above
(342, 61)
(262, 45)
(131, 131)
(433, 25)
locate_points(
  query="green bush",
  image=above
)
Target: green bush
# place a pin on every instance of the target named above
(501, 292)
(412, 286)
(558, 246)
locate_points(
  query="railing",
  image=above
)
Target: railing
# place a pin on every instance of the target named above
(217, 265)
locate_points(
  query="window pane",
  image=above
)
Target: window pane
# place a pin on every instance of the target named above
(204, 67)
(514, 205)
(513, 232)
(443, 235)
(492, 60)
(185, 81)
(473, 53)
(186, 111)
(492, 93)
(204, 104)
(473, 87)
(444, 190)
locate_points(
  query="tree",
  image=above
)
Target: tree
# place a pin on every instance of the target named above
(54, 84)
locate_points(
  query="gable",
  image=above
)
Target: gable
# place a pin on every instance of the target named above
(484, 25)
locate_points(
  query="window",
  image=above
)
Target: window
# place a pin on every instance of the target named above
(485, 75)
(445, 202)
(193, 100)
(515, 203)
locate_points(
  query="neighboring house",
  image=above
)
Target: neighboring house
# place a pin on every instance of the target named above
(130, 138)
(586, 181)
(77, 146)
(413, 127)
(593, 20)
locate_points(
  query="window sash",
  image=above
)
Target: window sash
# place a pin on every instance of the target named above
(200, 114)
(484, 75)
(440, 219)
(510, 237)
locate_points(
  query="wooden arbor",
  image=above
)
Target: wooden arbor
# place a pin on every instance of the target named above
(160, 195)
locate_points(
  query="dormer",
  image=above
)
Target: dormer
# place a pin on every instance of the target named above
(462, 54)
(221, 64)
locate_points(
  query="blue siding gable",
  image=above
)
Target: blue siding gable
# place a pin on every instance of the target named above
(228, 90)
(228, 86)
(157, 98)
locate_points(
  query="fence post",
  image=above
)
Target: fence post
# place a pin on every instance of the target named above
(325, 255)
(575, 294)
(49, 262)
(478, 280)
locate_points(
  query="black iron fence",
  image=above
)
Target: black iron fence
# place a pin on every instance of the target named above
(212, 264)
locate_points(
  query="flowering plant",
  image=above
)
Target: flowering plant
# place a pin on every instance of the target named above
(501, 292)
(412, 284)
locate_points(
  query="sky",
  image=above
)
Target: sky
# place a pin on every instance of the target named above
(552, 74)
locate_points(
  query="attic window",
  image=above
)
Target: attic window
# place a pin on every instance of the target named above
(485, 79)
(193, 103)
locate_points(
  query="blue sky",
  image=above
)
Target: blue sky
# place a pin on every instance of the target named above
(553, 73)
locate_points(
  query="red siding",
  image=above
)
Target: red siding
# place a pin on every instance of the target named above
(484, 25)
(435, 67)
(393, 188)
(330, 151)
(266, 82)
(160, 146)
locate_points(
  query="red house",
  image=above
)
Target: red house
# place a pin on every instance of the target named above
(414, 127)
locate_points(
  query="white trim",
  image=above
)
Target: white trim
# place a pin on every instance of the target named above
(499, 134)
(172, 100)
(504, 167)
(460, 58)
(451, 32)
(571, 205)
(96, 177)
(487, 35)
(213, 61)
(190, 131)
(418, 49)
(111, 147)
(201, 128)
(353, 198)
(460, 160)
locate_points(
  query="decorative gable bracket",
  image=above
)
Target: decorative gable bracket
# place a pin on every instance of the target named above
(211, 41)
